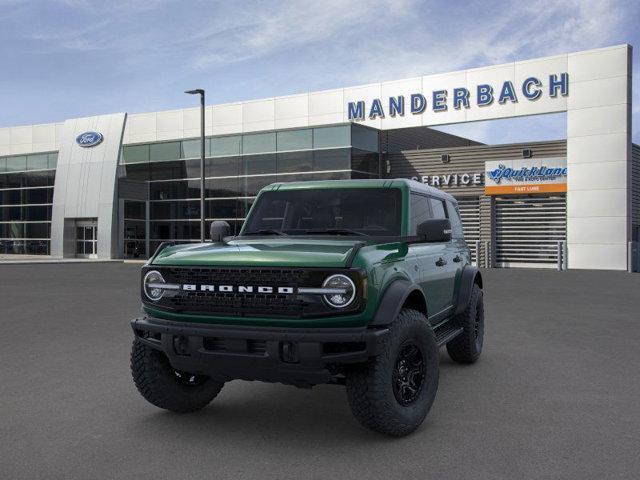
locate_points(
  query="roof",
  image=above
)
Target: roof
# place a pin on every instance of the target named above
(412, 185)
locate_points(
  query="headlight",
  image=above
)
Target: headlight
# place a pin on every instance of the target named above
(152, 285)
(344, 291)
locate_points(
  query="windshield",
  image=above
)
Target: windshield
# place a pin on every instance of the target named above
(332, 211)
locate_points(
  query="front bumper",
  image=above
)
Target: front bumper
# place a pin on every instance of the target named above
(297, 356)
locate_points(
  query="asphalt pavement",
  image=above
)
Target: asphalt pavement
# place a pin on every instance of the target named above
(556, 393)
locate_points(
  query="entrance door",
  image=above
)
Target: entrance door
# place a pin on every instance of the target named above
(87, 239)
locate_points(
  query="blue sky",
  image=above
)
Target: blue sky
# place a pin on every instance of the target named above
(72, 58)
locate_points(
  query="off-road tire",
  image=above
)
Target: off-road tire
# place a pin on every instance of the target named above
(370, 387)
(467, 347)
(158, 383)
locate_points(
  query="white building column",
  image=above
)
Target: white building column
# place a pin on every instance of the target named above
(599, 158)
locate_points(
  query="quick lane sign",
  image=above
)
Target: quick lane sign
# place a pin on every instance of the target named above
(531, 89)
(526, 176)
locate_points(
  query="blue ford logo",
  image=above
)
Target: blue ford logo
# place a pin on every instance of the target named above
(89, 139)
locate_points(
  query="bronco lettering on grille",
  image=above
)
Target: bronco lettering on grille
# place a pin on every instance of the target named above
(192, 287)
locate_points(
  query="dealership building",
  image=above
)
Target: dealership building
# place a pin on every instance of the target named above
(117, 185)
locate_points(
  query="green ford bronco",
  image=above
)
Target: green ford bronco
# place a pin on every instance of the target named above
(347, 282)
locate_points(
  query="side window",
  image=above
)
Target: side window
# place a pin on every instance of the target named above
(437, 206)
(419, 211)
(456, 223)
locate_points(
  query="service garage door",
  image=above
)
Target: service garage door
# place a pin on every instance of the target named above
(528, 229)
(470, 214)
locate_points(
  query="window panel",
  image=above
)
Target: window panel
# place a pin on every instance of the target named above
(38, 162)
(137, 171)
(135, 153)
(258, 164)
(191, 148)
(37, 247)
(456, 222)
(420, 211)
(295, 140)
(327, 137)
(251, 185)
(221, 208)
(295, 162)
(175, 190)
(162, 152)
(16, 164)
(37, 230)
(12, 230)
(178, 210)
(222, 187)
(133, 209)
(3, 165)
(226, 146)
(259, 143)
(365, 161)
(437, 208)
(364, 138)
(222, 166)
(332, 159)
(52, 160)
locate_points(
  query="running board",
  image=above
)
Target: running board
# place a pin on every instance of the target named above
(446, 334)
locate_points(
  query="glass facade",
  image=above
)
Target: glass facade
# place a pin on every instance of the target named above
(26, 196)
(236, 168)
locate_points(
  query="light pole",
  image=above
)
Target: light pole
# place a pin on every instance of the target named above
(200, 92)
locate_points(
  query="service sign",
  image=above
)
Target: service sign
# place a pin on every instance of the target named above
(526, 176)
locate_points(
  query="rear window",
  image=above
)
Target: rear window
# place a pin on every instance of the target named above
(369, 211)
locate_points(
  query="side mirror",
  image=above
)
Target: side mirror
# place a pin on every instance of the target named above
(218, 230)
(435, 230)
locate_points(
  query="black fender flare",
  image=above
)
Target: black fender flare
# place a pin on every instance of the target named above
(470, 276)
(392, 300)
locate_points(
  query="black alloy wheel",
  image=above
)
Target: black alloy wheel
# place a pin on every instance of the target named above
(408, 373)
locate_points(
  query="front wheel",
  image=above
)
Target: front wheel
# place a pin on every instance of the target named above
(165, 387)
(394, 392)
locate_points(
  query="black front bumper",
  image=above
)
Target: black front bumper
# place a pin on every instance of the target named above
(297, 356)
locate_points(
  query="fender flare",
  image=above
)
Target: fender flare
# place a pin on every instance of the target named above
(470, 276)
(392, 300)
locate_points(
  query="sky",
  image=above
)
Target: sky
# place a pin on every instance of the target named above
(72, 58)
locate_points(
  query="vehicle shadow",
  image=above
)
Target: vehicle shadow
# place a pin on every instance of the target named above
(274, 412)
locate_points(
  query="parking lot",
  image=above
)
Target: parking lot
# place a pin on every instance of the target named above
(555, 395)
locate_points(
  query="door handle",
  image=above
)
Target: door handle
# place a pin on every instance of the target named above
(457, 259)
(441, 262)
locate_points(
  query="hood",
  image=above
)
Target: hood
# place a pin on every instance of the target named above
(274, 252)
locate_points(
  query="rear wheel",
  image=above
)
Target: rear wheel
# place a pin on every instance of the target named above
(165, 387)
(394, 392)
(467, 347)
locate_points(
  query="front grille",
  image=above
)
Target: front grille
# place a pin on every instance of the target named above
(248, 304)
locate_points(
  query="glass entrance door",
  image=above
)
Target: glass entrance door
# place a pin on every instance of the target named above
(87, 239)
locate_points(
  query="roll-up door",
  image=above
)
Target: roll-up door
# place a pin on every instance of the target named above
(470, 213)
(528, 230)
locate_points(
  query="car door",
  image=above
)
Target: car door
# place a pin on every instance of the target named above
(462, 256)
(446, 259)
(430, 271)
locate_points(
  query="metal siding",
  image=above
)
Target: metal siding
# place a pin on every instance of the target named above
(635, 188)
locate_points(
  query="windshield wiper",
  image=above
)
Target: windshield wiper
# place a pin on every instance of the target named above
(267, 231)
(336, 231)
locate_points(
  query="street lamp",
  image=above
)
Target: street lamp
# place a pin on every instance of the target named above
(200, 91)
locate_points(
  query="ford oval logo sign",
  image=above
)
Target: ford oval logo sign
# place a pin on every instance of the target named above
(89, 139)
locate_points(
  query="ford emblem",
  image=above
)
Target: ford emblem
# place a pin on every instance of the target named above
(89, 139)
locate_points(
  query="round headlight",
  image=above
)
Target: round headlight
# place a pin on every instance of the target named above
(345, 291)
(151, 283)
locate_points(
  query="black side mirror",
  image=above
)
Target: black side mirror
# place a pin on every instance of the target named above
(219, 229)
(435, 230)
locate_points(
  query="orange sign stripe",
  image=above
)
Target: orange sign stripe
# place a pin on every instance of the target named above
(530, 188)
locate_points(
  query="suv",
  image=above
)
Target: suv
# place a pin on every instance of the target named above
(348, 282)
